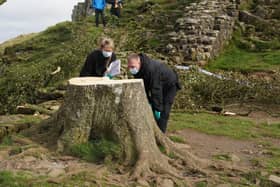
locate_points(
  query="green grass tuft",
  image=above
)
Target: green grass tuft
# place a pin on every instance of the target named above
(97, 151)
(273, 162)
(9, 179)
(201, 184)
(177, 139)
(7, 141)
(225, 157)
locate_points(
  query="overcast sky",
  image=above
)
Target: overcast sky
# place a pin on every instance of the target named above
(26, 16)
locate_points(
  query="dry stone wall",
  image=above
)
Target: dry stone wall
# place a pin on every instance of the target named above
(263, 20)
(203, 30)
(81, 10)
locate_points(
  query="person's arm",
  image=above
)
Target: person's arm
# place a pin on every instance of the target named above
(94, 3)
(114, 57)
(156, 90)
(86, 70)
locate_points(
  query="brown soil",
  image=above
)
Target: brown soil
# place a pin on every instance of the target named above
(209, 146)
(40, 161)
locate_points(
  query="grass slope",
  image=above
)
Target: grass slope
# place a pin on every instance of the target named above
(26, 66)
(251, 50)
(237, 57)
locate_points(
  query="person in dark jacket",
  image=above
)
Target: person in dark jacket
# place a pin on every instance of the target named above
(116, 8)
(161, 85)
(99, 6)
(99, 60)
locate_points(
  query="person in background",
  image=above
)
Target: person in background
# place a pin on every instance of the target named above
(161, 85)
(98, 61)
(99, 6)
(116, 8)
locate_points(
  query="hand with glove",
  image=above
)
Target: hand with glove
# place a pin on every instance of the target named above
(157, 115)
(109, 76)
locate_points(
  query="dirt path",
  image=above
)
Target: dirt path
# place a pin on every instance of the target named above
(220, 147)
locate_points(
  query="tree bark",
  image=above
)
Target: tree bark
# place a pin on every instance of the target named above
(118, 110)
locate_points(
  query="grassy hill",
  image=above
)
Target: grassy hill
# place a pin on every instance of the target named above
(27, 66)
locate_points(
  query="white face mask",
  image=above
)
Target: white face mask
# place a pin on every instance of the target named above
(107, 54)
(133, 71)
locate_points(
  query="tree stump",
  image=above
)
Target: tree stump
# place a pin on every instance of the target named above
(118, 110)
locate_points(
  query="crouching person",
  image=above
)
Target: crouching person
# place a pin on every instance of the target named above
(161, 85)
(99, 60)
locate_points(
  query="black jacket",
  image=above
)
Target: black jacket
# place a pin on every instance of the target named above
(96, 64)
(157, 78)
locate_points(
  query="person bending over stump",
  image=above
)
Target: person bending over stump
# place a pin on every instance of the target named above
(99, 60)
(161, 85)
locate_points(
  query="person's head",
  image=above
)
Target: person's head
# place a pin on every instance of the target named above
(107, 47)
(134, 63)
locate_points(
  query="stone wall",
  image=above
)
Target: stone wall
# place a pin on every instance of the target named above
(263, 20)
(203, 30)
(81, 10)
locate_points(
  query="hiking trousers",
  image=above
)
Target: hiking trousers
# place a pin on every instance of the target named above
(97, 14)
(169, 93)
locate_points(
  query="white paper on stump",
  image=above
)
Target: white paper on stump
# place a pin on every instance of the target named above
(115, 68)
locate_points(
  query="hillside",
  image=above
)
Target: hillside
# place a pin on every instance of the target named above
(255, 45)
(2, 1)
(234, 120)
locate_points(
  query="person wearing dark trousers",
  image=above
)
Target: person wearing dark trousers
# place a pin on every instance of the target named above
(99, 6)
(116, 8)
(98, 61)
(161, 85)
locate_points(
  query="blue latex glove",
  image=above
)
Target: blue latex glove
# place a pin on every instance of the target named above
(157, 115)
(109, 76)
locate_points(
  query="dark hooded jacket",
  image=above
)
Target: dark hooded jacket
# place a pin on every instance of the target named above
(96, 64)
(157, 78)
